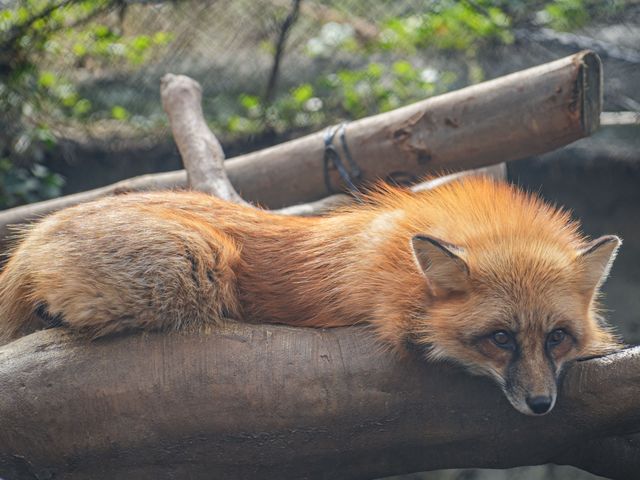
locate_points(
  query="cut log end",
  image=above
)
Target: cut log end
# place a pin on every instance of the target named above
(590, 90)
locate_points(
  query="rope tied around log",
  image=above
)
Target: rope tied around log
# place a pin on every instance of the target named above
(332, 158)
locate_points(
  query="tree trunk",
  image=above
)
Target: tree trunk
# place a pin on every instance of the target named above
(265, 401)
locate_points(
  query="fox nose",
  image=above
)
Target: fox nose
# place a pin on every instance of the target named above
(539, 404)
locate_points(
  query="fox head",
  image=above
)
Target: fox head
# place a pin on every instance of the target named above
(515, 309)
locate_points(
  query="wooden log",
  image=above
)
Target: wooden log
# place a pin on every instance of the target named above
(525, 113)
(201, 152)
(203, 157)
(320, 207)
(265, 401)
(521, 114)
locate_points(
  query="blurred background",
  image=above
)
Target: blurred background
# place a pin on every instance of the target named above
(79, 95)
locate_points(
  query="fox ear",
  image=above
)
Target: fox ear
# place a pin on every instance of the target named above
(595, 261)
(441, 263)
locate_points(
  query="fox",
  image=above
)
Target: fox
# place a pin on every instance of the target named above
(476, 272)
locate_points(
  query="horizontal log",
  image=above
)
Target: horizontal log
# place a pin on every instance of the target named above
(321, 207)
(522, 114)
(518, 115)
(265, 401)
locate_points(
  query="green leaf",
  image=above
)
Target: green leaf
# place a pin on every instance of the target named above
(82, 107)
(47, 79)
(302, 93)
(79, 50)
(403, 68)
(162, 38)
(374, 70)
(119, 113)
(39, 24)
(141, 43)
(102, 31)
(249, 101)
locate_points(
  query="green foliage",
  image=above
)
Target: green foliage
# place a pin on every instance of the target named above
(566, 14)
(348, 93)
(460, 27)
(451, 25)
(119, 113)
(22, 185)
(379, 87)
(572, 14)
(105, 45)
(36, 99)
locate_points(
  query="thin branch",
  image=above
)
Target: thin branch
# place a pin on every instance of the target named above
(19, 30)
(285, 28)
(619, 118)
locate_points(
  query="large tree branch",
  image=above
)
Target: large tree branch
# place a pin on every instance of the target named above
(264, 401)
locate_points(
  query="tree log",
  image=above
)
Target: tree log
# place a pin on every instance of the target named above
(521, 114)
(203, 157)
(320, 207)
(525, 113)
(265, 401)
(200, 150)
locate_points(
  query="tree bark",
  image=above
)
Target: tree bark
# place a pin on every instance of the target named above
(200, 150)
(521, 114)
(266, 401)
(320, 207)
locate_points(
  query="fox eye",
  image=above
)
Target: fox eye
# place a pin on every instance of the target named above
(503, 339)
(556, 337)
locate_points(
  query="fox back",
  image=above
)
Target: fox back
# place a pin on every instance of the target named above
(474, 271)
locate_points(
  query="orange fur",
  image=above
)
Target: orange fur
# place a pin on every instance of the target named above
(166, 260)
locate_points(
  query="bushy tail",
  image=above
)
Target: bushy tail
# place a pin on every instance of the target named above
(17, 310)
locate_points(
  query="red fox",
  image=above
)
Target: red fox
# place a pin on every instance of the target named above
(474, 271)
